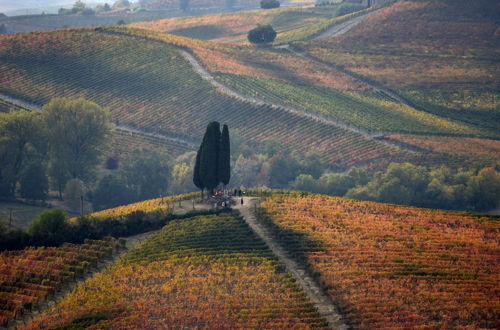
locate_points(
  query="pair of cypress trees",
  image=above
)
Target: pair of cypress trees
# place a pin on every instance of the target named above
(212, 165)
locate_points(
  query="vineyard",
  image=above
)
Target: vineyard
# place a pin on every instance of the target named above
(452, 145)
(291, 24)
(207, 272)
(439, 54)
(32, 275)
(153, 207)
(144, 84)
(391, 266)
(367, 110)
(124, 143)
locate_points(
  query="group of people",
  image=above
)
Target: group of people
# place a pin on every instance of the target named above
(225, 195)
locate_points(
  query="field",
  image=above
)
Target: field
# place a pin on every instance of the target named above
(291, 24)
(393, 266)
(452, 145)
(31, 275)
(207, 272)
(22, 214)
(143, 83)
(441, 55)
(366, 110)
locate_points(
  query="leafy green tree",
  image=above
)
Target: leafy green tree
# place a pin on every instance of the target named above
(20, 138)
(111, 191)
(304, 182)
(146, 173)
(484, 190)
(121, 4)
(282, 170)
(74, 194)
(34, 183)
(209, 157)
(224, 160)
(261, 34)
(50, 227)
(78, 132)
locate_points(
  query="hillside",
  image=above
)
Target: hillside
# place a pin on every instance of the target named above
(147, 84)
(389, 266)
(291, 23)
(208, 272)
(440, 55)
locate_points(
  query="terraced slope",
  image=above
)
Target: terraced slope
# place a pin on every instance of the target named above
(442, 55)
(291, 24)
(391, 266)
(208, 272)
(148, 85)
(31, 275)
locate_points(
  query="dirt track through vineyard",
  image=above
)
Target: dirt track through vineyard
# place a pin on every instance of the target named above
(323, 303)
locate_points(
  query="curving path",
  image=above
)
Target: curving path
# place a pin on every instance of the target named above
(198, 67)
(341, 28)
(322, 302)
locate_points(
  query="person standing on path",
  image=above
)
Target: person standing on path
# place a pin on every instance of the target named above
(241, 200)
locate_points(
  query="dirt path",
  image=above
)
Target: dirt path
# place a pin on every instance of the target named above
(198, 67)
(341, 28)
(131, 242)
(323, 303)
(125, 129)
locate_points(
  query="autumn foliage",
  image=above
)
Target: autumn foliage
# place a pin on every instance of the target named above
(29, 276)
(204, 272)
(390, 266)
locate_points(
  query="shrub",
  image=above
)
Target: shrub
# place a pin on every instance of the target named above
(262, 34)
(49, 228)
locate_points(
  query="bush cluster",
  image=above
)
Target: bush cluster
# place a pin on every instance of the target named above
(52, 227)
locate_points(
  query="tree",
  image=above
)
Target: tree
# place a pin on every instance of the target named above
(20, 138)
(121, 4)
(262, 34)
(224, 166)
(111, 191)
(50, 227)
(146, 173)
(106, 7)
(34, 183)
(196, 171)
(268, 4)
(209, 156)
(78, 132)
(74, 192)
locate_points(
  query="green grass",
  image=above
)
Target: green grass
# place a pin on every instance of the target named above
(22, 214)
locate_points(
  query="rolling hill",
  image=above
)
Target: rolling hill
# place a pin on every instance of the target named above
(440, 55)
(146, 83)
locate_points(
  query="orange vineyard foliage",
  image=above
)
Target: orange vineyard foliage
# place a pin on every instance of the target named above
(31, 275)
(208, 272)
(391, 266)
(452, 145)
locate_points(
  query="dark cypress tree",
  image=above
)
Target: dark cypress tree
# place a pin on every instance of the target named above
(209, 156)
(224, 166)
(196, 172)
